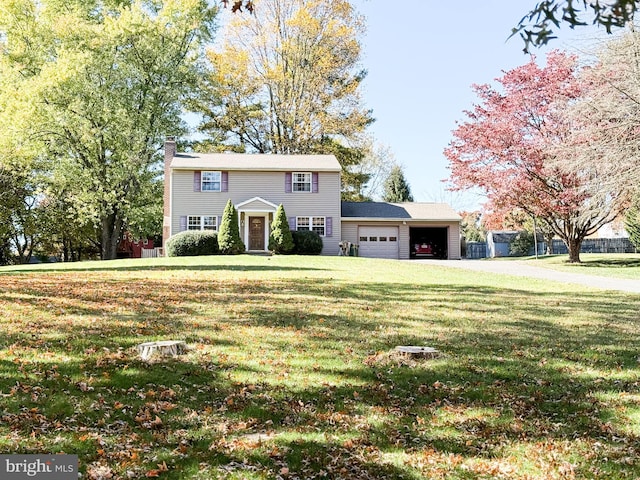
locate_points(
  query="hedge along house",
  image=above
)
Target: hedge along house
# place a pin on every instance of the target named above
(198, 186)
(402, 230)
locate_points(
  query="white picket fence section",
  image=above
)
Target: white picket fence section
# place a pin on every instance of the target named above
(152, 252)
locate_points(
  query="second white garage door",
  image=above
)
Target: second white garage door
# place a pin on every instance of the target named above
(378, 242)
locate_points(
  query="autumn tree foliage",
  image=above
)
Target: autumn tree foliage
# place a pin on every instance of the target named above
(287, 76)
(513, 148)
(287, 80)
(472, 227)
(608, 118)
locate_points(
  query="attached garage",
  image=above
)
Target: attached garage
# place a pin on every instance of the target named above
(429, 242)
(402, 230)
(378, 242)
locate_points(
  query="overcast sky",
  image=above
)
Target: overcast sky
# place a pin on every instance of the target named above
(422, 57)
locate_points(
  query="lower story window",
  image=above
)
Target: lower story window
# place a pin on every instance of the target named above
(318, 225)
(315, 224)
(202, 222)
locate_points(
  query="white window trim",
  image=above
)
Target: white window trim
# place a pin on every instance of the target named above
(201, 223)
(202, 181)
(293, 182)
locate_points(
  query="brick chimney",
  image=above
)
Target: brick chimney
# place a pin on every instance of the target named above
(169, 153)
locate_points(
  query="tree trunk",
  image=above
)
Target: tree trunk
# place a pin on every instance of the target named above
(574, 245)
(548, 240)
(110, 236)
(65, 249)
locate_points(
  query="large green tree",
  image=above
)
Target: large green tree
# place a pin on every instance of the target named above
(94, 86)
(287, 80)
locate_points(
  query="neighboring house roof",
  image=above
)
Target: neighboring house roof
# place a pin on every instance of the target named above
(503, 236)
(258, 162)
(508, 236)
(398, 211)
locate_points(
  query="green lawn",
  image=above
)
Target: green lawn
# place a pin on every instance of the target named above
(620, 265)
(290, 374)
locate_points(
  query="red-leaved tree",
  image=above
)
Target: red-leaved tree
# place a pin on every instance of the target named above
(513, 147)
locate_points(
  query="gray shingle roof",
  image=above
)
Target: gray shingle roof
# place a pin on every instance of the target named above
(259, 162)
(399, 211)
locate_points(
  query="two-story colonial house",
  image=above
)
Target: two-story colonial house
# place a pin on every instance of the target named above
(198, 186)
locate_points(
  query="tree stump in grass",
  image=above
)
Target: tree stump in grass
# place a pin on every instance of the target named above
(169, 348)
(417, 352)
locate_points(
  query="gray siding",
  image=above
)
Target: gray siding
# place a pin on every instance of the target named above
(270, 186)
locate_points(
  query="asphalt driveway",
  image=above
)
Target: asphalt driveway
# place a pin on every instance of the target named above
(525, 269)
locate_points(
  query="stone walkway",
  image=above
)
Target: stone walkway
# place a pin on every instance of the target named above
(525, 269)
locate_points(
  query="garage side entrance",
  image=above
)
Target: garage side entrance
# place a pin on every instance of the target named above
(429, 242)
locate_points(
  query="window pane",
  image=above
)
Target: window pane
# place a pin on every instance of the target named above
(373, 239)
(302, 223)
(193, 223)
(363, 239)
(318, 225)
(210, 223)
(393, 239)
(383, 239)
(301, 182)
(211, 181)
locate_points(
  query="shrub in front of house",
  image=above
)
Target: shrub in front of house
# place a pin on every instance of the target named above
(306, 242)
(280, 240)
(229, 240)
(191, 243)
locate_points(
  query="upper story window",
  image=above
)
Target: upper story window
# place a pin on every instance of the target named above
(211, 181)
(301, 182)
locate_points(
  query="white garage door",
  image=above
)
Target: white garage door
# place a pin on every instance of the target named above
(378, 242)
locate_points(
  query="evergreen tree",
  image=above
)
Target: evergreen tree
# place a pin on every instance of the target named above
(396, 188)
(280, 238)
(632, 222)
(229, 239)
